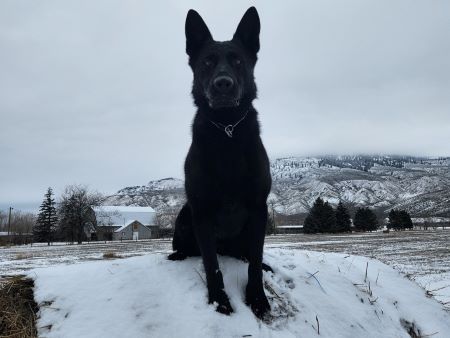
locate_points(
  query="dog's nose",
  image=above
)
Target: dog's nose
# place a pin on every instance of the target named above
(223, 84)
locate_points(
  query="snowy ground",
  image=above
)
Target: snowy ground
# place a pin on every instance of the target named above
(423, 256)
(310, 293)
(17, 259)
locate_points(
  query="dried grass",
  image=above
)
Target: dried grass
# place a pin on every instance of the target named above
(22, 256)
(17, 308)
(110, 255)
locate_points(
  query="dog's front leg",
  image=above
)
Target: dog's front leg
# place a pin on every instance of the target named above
(204, 234)
(255, 296)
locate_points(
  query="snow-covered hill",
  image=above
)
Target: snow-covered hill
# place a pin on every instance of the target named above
(421, 186)
(162, 195)
(311, 294)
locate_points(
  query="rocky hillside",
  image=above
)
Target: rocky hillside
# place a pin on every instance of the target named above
(162, 195)
(419, 185)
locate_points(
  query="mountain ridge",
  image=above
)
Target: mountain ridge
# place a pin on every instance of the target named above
(418, 184)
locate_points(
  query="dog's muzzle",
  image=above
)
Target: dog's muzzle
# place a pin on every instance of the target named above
(223, 93)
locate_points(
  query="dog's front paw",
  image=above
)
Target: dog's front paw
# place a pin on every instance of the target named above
(267, 268)
(258, 302)
(176, 256)
(220, 299)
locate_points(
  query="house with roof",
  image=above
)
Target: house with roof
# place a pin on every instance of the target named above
(124, 223)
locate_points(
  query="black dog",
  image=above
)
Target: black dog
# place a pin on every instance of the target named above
(227, 176)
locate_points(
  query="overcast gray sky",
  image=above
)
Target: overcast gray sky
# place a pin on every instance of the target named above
(98, 92)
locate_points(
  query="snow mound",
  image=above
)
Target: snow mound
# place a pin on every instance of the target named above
(310, 292)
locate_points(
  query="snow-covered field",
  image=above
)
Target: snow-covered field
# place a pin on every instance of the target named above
(312, 294)
(17, 259)
(423, 256)
(147, 295)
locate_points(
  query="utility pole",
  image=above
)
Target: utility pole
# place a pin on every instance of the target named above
(273, 217)
(9, 220)
(9, 224)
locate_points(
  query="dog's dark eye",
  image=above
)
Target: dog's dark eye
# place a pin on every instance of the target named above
(208, 63)
(237, 62)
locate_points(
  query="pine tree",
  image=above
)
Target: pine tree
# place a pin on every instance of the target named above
(270, 227)
(405, 220)
(359, 220)
(365, 220)
(394, 221)
(312, 221)
(321, 218)
(47, 219)
(372, 220)
(328, 219)
(343, 222)
(399, 220)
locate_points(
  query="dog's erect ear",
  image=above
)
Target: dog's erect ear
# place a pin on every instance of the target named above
(197, 33)
(248, 30)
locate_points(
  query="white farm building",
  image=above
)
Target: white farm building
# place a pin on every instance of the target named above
(124, 222)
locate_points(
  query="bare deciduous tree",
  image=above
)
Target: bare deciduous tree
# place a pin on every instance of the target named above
(21, 227)
(166, 219)
(76, 214)
(3, 220)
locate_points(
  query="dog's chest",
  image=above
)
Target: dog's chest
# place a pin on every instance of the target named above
(231, 176)
(231, 169)
(231, 217)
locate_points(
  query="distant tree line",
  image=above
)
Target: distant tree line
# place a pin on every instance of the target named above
(323, 218)
(69, 220)
(19, 226)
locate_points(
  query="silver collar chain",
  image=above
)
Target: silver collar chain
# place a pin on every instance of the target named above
(228, 129)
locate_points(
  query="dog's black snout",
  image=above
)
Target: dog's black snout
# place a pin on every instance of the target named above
(223, 84)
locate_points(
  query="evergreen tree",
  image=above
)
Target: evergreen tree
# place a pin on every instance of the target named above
(359, 220)
(270, 227)
(327, 219)
(405, 220)
(321, 218)
(343, 223)
(312, 221)
(365, 220)
(394, 221)
(399, 220)
(372, 220)
(47, 219)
